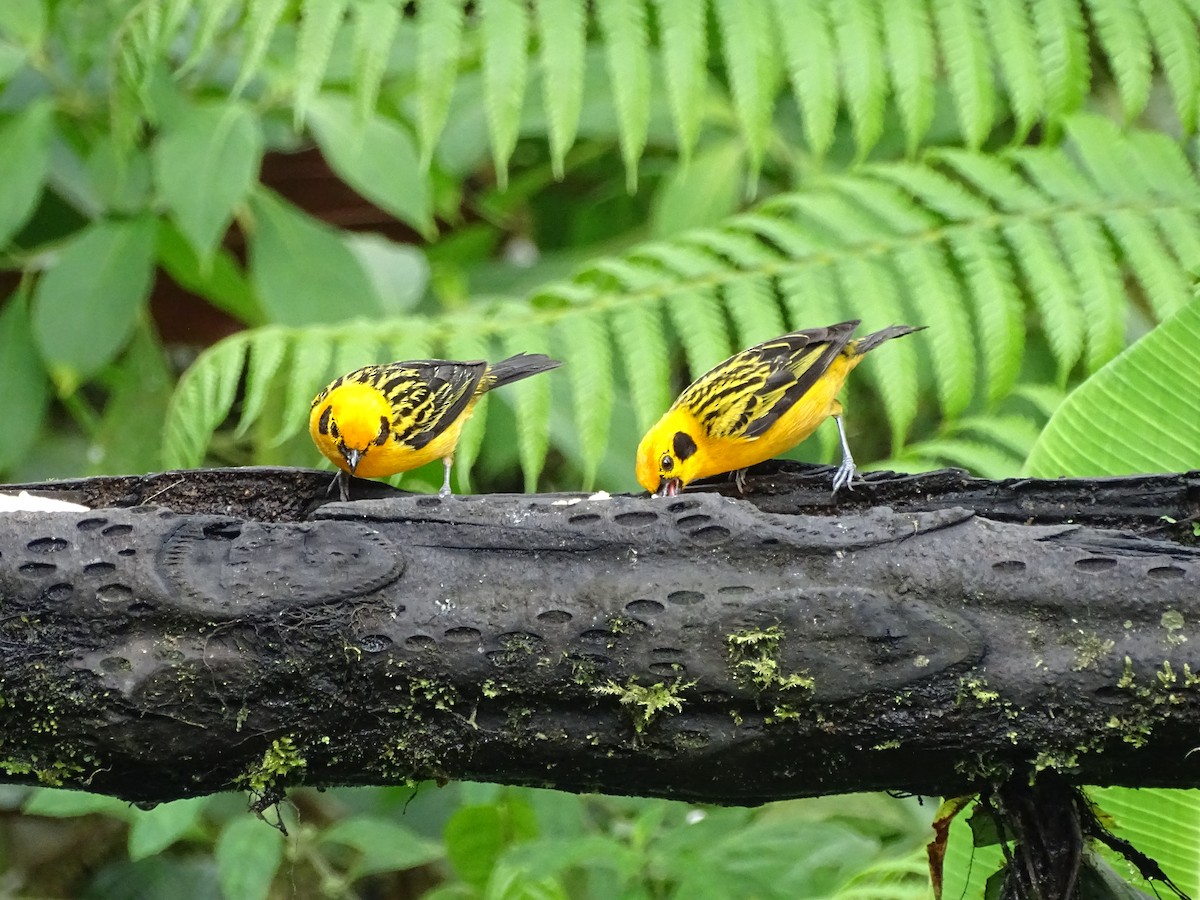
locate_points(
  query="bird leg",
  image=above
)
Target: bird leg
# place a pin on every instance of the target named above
(447, 461)
(342, 482)
(739, 479)
(845, 470)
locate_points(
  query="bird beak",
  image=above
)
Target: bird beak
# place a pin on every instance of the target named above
(668, 487)
(352, 457)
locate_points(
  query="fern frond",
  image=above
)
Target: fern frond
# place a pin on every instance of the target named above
(1015, 49)
(965, 51)
(683, 50)
(1172, 30)
(912, 62)
(586, 344)
(201, 402)
(627, 51)
(319, 22)
(864, 81)
(1101, 298)
(979, 458)
(439, 39)
(808, 47)
(1123, 37)
(268, 347)
(410, 338)
(504, 30)
(308, 372)
(640, 338)
(751, 61)
(212, 17)
(1062, 38)
(1163, 278)
(700, 323)
(262, 17)
(530, 398)
(812, 297)
(562, 36)
(375, 25)
(469, 342)
(755, 311)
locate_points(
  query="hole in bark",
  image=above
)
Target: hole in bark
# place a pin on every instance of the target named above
(596, 636)
(684, 598)
(691, 740)
(141, 606)
(644, 607)
(667, 651)
(1008, 566)
(735, 589)
(375, 643)
(420, 642)
(126, 551)
(48, 545)
(636, 518)
(710, 534)
(718, 697)
(522, 642)
(225, 531)
(117, 529)
(689, 521)
(99, 568)
(37, 568)
(1095, 564)
(1166, 572)
(683, 505)
(463, 634)
(90, 524)
(113, 593)
(584, 518)
(668, 668)
(115, 664)
(429, 501)
(770, 542)
(554, 616)
(142, 510)
(57, 593)
(596, 661)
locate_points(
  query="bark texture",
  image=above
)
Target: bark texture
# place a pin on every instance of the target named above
(207, 630)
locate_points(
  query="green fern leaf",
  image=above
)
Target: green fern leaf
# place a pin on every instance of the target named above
(375, 26)
(504, 30)
(785, 236)
(212, 17)
(997, 306)
(357, 345)
(1163, 166)
(562, 34)
(936, 296)
(1101, 291)
(1161, 276)
(1045, 398)
(268, 349)
(683, 46)
(1015, 434)
(638, 330)
(467, 342)
(530, 398)
(992, 177)
(262, 17)
(1182, 231)
(683, 261)
(308, 372)
(887, 204)
(980, 459)
(413, 338)
(934, 191)
(318, 25)
(589, 365)
(808, 48)
(871, 289)
(1056, 176)
(700, 323)
(751, 64)
(201, 402)
(439, 40)
(864, 80)
(736, 248)
(811, 297)
(627, 51)
(754, 310)
(1015, 51)
(1173, 32)
(1106, 159)
(1052, 291)
(1062, 39)
(1123, 38)
(968, 67)
(912, 62)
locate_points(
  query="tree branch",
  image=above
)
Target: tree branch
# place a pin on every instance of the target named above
(214, 629)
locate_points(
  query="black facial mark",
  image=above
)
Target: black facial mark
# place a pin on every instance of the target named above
(384, 430)
(333, 429)
(667, 463)
(323, 424)
(684, 445)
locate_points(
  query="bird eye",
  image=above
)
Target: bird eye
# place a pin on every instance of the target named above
(667, 462)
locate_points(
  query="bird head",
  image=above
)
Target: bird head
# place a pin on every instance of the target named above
(666, 461)
(348, 421)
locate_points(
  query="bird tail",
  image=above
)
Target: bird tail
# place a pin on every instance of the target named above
(517, 367)
(869, 342)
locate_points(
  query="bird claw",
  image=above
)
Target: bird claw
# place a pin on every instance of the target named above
(844, 476)
(739, 479)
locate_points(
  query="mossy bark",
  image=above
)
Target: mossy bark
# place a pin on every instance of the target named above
(209, 630)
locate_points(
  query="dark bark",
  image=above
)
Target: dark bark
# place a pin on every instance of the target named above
(209, 630)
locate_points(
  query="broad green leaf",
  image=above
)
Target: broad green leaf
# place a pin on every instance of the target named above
(157, 829)
(139, 384)
(85, 306)
(303, 272)
(562, 36)
(376, 157)
(28, 387)
(626, 45)
(474, 838)
(24, 159)
(24, 21)
(504, 29)
(439, 39)
(248, 853)
(122, 180)
(220, 281)
(68, 804)
(319, 22)
(683, 52)
(383, 845)
(1163, 824)
(398, 272)
(206, 159)
(1140, 413)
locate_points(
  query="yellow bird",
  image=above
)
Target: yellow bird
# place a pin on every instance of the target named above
(380, 420)
(756, 405)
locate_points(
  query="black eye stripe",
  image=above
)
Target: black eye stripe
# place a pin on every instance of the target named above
(323, 424)
(384, 431)
(684, 445)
